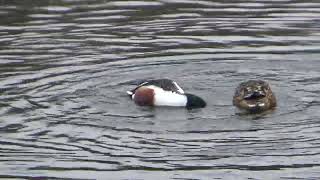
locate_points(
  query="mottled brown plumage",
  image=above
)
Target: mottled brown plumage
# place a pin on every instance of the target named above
(254, 96)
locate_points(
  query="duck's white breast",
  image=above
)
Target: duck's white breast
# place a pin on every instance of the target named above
(168, 98)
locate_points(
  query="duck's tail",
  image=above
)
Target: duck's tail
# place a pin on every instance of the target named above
(130, 93)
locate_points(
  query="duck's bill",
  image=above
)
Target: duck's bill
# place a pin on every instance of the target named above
(255, 95)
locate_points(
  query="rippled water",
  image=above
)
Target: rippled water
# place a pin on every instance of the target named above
(65, 67)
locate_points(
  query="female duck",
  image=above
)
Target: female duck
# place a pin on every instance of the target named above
(164, 92)
(254, 96)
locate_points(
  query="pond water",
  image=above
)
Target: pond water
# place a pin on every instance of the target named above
(65, 66)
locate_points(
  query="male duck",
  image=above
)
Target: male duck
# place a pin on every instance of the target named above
(254, 96)
(164, 92)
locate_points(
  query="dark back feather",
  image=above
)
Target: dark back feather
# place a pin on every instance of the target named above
(165, 84)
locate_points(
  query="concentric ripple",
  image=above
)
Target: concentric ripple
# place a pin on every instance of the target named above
(65, 67)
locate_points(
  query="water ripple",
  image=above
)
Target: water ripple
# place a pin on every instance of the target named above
(66, 65)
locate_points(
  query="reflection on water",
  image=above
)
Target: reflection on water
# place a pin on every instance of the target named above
(65, 67)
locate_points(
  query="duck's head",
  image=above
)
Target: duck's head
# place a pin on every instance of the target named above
(254, 96)
(194, 101)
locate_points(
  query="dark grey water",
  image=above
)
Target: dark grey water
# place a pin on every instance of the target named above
(65, 67)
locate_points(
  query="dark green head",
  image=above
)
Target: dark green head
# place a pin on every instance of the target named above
(194, 101)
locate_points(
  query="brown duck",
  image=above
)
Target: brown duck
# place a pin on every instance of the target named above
(254, 96)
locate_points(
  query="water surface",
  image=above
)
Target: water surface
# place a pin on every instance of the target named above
(65, 66)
